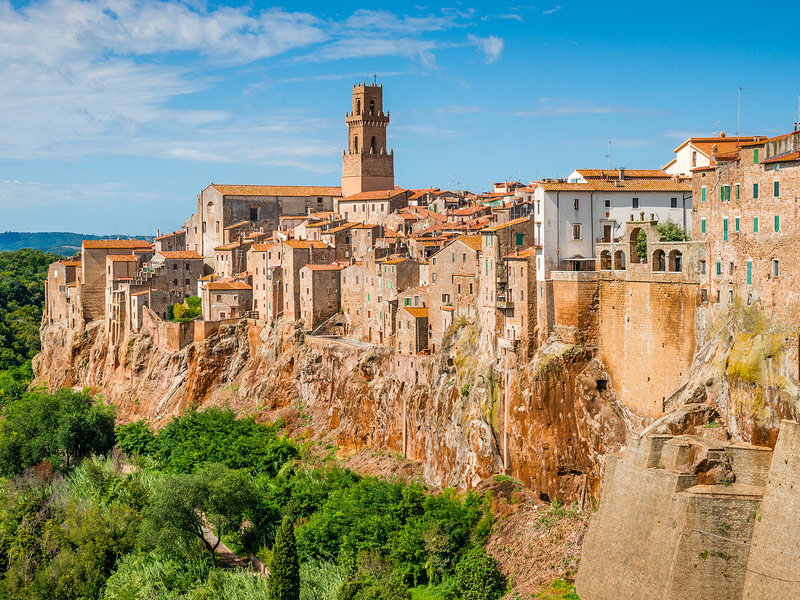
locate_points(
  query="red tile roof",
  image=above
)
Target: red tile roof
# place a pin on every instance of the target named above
(296, 191)
(377, 195)
(261, 247)
(325, 267)
(299, 244)
(229, 285)
(417, 312)
(122, 258)
(629, 173)
(115, 244)
(527, 253)
(180, 254)
(782, 158)
(166, 235)
(518, 221)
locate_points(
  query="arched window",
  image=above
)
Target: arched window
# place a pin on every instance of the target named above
(619, 260)
(605, 260)
(675, 261)
(638, 249)
(659, 261)
(372, 145)
(358, 106)
(355, 144)
(372, 107)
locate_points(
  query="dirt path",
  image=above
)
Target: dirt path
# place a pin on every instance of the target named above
(226, 558)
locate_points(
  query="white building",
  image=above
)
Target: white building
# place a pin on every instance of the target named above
(701, 152)
(593, 205)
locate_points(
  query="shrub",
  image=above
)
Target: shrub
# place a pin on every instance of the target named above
(478, 577)
(284, 569)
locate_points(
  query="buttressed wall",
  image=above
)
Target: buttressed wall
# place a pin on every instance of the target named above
(681, 519)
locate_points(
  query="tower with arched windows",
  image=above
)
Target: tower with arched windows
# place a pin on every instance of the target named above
(367, 164)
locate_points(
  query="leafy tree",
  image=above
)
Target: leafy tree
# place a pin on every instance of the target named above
(374, 579)
(188, 310)
(669, 231)
(478, 577)
(62, 427)
(189, 507)
(136, 437)
(284, 569)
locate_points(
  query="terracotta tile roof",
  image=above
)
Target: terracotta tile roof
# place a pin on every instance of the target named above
(783, 157)
(614, 185)
(230, 246)
(509, 224)
(388, 233)
(340, 228)
(73, 284)
(377, 195)
(293, 217)
(418, 312)
(140, 293)
(325, 267)
(464, 275)
(210, 277)
(296, 191)
(71, 263)
(394, 261)
(527, 253)
(97, 244)
(239, 224)
(166, 235)
(629, 173)
(122, 258)
(704, 144)
(229, 285)
(466, 211)
(261, 247)
(299, 244)
(448, 309)
(180, 254)
(417, 194)
(366, 226)
(473, 241)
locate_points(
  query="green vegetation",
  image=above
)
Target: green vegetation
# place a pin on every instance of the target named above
(284, 569)
(478, 577)
(22, 275)
(669, 231)
(188, 310)
(56, 242)
(560, 590)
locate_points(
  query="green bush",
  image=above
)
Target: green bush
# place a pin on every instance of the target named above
(135, 438)
(478, 577)
(320, 580)
(187, 311)
(284, 568)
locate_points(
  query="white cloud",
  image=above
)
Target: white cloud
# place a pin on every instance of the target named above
(550, 11)
(564, 107)
(456, 109)
(491, 46)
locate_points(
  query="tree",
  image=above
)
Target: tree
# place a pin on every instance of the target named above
(284, 570)
(63, 428)
(189, 507)
(136, 437)
(478, 577)
(669, 231)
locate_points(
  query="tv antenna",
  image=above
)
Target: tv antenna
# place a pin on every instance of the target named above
(608, 156)
(739, 108)
(374, 79)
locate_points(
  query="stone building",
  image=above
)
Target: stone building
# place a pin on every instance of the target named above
(372, 207)
(231, 259)
(412, 330)
(363, 238)
(60, 304)
(367, 164)
(519, 302)
(265, 265)
(220, 206)
(353, 299)
(747, 211)
(414, 296)
(226, 300)
(94, 270)
(174, 241)
(497, 242)
(456, 261)
(296, 254)
(701, 152)
(340, 238)
(320, 293)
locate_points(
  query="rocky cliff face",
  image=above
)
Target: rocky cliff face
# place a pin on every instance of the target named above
(447, 411)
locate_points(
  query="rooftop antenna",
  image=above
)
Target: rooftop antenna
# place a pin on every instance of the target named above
(797, 123)
(608, 156)
(739, 109)
(374, 79)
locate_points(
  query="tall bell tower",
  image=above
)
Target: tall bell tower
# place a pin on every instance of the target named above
(367, 165)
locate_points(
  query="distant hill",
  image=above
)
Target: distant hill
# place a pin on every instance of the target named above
(57, 242)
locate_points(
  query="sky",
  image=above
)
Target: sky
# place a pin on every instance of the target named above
(114, 114)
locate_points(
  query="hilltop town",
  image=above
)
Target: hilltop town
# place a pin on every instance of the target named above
(582, 259)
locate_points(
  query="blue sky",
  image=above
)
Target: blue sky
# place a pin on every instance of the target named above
(114, 114)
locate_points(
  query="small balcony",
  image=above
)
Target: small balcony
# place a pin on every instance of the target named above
(504, 304)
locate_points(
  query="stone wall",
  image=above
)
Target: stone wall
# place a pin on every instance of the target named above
(574, 300)
(166, 335)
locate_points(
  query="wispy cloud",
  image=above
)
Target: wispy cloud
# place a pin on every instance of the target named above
(565, 107)
(550, 11)
(456, 109)
(491, 46)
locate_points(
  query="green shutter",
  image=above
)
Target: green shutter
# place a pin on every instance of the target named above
(777, 223)
(702, 225)
(737, 191)
(776, 188)
(755, 156)
(722, 193)
(703, 198)
(719, 268)
(749, 272)
(755, 224)
(519, 239)
(755, 190)
(725, 229)
(737, 225)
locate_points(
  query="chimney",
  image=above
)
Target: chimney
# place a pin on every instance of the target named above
(622, 173)
(158, 232)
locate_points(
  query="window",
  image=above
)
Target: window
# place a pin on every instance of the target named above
(518, 239)
(730, 268)
(737, 191)
(187, 281)
(673, 203)
(174, 282)
(445, 298)
(719, 269)
(725, 229)
(776, 269)
(635, 203)
(703, 194)
(219, 298)
(576, 204)
(702, 225)
(175, 266)
(463, 257)
(470, 288)
(607, 203)
(576, 231)
(749, 272)
(736, 225)
(755, 224)
(755, 191)
(254, 213)
(452, 257)
(694, 158)
(434, 278)
(704, 295)
(777, 223)
(319, 200)
(730, 296)
(755, 156)
(776, 188)
(702, 267)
